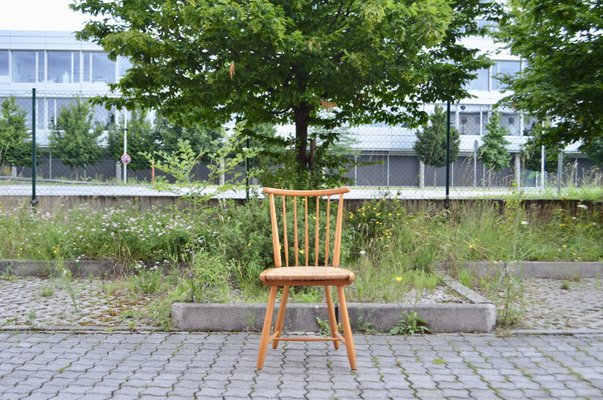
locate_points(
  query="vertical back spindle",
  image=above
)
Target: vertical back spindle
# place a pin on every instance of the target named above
(328, 224)
(317, 232)
(285, 239)
(295, 239)
(307, 245)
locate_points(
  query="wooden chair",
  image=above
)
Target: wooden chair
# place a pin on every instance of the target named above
(311, 265)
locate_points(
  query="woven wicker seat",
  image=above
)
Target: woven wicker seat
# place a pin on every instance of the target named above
(276, 276)
(308, 255)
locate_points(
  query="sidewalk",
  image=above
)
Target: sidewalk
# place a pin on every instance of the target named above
(38, 365)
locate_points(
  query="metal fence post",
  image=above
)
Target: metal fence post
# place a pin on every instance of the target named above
(34, 198)
(447, 200)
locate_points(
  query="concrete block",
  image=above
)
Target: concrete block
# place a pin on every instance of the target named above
(302, 317)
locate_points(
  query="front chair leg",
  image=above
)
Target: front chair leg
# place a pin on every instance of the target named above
(266, 327)
(347, 329)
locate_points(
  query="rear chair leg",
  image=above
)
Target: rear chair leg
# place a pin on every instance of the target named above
(280, 319)
(332, 318)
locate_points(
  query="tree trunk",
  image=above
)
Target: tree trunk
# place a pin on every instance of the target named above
(302, 114)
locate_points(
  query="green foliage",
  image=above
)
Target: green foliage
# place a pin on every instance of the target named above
(431, 141)
(207, 281)
(410, 324)
(280, 62)
(275, 164)
(15, 140)
(595, 151)
(562, 43)
(202, 140)
(74, 139)
(141, 139)
(493, 151)
(146, 281)
(532, 153)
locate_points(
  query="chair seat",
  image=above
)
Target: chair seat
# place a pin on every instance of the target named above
(313, 275)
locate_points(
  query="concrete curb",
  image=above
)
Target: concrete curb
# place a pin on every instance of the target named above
(303, 317)
(81, 268)
(539, 269)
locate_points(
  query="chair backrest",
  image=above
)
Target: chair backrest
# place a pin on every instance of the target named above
(309, 226)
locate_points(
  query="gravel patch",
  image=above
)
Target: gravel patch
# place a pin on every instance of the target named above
(563, 304)
(44, 303)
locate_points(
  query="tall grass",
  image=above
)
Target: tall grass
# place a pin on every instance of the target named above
(391, 250)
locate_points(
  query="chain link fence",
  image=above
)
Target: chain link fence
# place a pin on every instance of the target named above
(79, 148)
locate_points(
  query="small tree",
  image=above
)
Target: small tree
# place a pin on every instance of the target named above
(532, 152)
(15, 145)
(141, 138)
(493, 151)
(74, 139)
(431, 141)
(201, 139)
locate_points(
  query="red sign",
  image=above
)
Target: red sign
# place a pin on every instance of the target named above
(125, 159)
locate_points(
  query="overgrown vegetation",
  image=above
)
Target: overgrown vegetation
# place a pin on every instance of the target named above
(214, 254)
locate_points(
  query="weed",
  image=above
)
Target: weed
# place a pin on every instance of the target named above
(65, 282)
(47, 291)
(565, 285)
(438, 361)
(146, 281)
(410, 324)
(31, 318)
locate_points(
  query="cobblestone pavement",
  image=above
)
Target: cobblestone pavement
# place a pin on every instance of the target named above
(564, 304)
(37, 365)
(45, 303)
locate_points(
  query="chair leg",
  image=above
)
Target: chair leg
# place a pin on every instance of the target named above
(266, 327)
(332, 318)
(347, 330)
(280, 319)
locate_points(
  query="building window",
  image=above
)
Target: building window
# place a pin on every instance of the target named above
(480, 82)
(103, 69)
(24, 66)
(59, 67)
(503, 68)
(3, 62)
(510, 121)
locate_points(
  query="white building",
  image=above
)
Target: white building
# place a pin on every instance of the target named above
(60, 68)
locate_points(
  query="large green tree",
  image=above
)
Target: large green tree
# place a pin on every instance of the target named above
(74, 139)
(275, 61)
(15, 140)
(493, 152)
(431, 141)
(563, 81)
(141, 138)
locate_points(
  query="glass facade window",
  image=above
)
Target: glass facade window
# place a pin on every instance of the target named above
(469, 122)
(480, 82)
(86, 67)
(510, 121)
(3, 62)
(24, 66)
(504, 68)
(41, 66)
(59, 67)
(76, 67)
(103, 69)
(123, 64)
